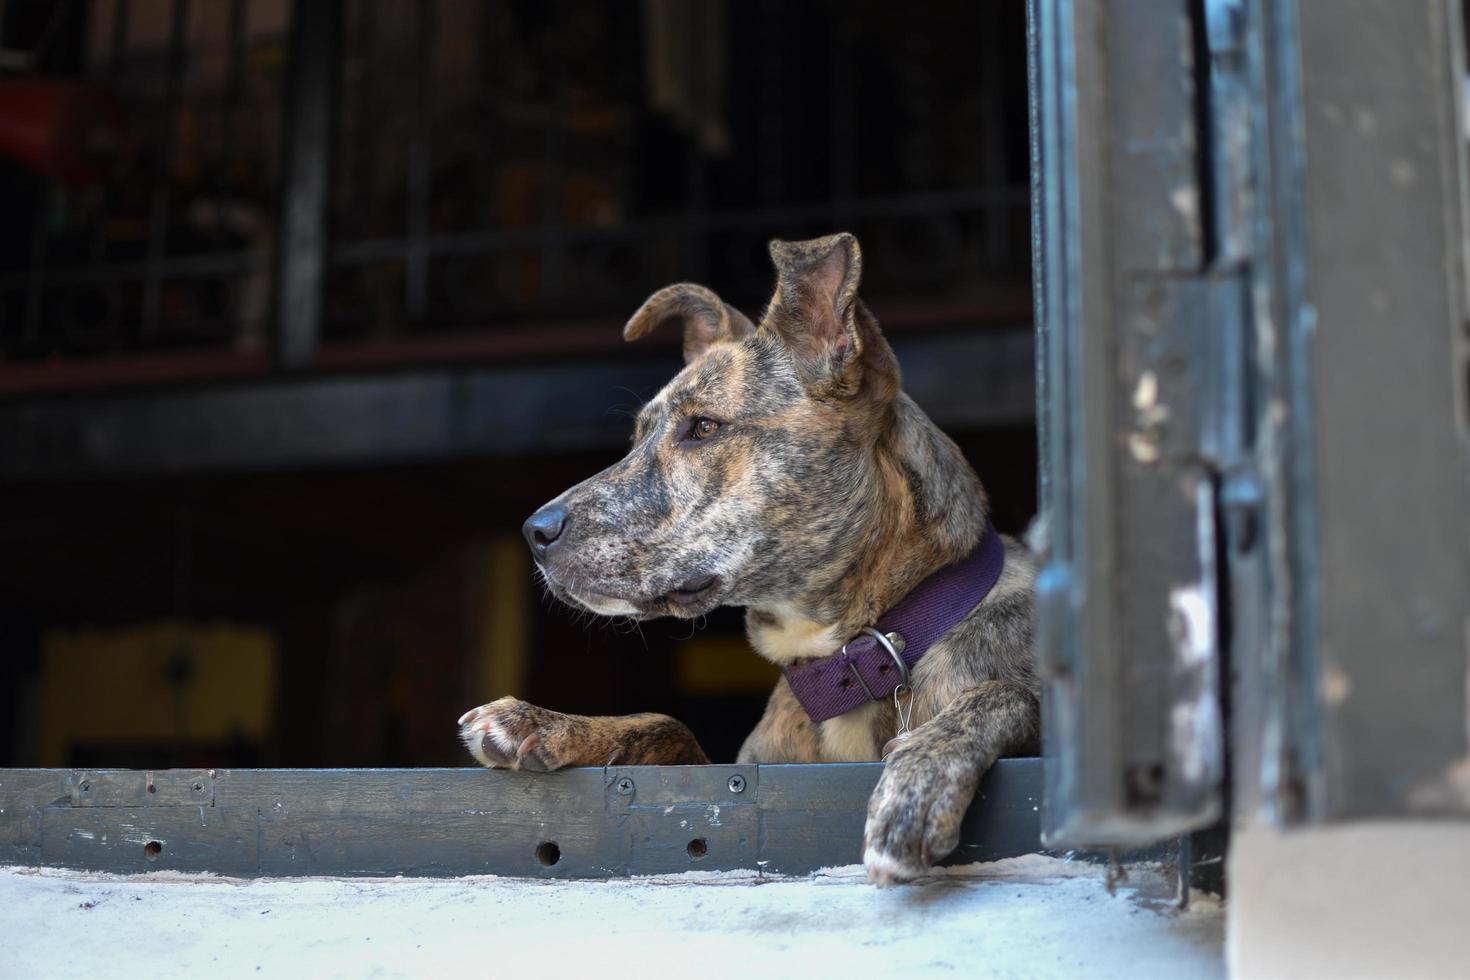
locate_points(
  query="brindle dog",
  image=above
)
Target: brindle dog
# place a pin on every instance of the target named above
(784, 471)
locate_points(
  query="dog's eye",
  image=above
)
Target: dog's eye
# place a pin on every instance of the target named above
(702, 428)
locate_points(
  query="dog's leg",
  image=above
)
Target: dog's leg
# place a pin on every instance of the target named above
(784, 733)
(930, 778)
(511, 734)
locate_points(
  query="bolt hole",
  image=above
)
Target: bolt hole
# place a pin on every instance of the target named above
(1145, 783)
(152, 849)
(152, 788)
(548, 853)
(698, 848)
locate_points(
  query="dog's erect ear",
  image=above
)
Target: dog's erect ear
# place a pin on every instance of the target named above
(705, 317)
(815, 308)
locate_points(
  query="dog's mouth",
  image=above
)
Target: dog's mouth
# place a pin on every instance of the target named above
(691, 597)
(693, 592)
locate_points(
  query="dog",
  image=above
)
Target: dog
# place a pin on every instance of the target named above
(785, 471)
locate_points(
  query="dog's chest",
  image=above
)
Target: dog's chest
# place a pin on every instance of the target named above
(782, 635)
(849, 737)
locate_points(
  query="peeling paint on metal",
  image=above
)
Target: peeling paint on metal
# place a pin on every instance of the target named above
(1191, 624)
(1336, 686)
(1185, 201)
(1144, 449)
(1146, 392)
(1194, 720)
(1194, 731)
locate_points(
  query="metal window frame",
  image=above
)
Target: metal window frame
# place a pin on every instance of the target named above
(1257, 223)
(1137, 303)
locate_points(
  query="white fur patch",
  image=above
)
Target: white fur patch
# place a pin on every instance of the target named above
(791, 637)
(472, 744)
(884, 870)
(471, 739)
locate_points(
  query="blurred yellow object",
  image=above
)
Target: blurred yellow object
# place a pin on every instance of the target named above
(722, 665)
(501, 668)
(103, 686)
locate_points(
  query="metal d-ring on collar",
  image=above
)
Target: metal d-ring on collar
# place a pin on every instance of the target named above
(891, 643)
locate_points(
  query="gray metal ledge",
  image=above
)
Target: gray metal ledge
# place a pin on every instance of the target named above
(578, 823)
(962, 379)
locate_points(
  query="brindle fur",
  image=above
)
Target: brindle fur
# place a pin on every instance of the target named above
(824, 497)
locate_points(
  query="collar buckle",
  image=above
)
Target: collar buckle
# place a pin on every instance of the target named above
(892, 644)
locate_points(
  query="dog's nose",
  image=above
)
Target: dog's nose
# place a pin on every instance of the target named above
(543, 529)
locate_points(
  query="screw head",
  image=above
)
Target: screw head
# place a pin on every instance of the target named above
(85, 786)
(625, 786)
(737, 783)
(198, 787)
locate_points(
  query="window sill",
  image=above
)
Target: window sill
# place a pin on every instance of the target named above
(579, 823)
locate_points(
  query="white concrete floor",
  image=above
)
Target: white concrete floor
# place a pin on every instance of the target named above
(1026, 917)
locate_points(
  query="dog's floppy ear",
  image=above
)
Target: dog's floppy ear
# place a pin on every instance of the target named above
(705, 317)
(816, 311)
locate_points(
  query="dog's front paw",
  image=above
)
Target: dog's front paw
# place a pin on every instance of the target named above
(914, 814)
(511, 734)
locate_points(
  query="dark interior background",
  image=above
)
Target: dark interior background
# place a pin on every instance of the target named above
(188, 578)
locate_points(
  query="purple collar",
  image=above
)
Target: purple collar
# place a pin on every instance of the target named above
(865, 669)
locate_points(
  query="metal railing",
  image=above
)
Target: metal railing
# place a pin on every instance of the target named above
(295, 254)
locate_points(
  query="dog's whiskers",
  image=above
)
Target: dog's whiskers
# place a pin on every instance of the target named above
(695, 625)
(638, 399)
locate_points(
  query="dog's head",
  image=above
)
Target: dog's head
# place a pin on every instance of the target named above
(749, 470)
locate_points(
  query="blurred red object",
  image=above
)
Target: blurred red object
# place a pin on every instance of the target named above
(61, 128)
